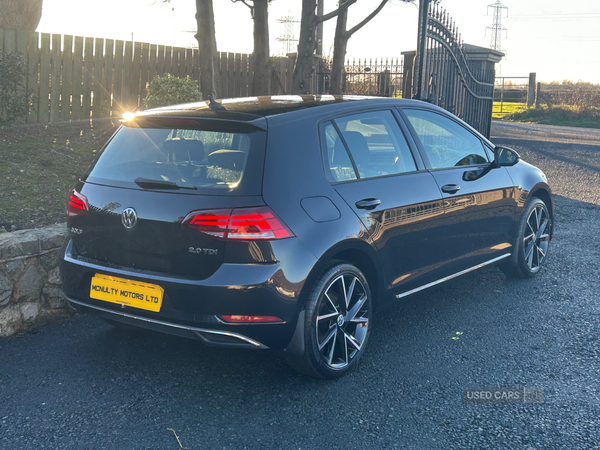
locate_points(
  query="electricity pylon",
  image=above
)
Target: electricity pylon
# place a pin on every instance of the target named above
(288, 38)
(496, 28)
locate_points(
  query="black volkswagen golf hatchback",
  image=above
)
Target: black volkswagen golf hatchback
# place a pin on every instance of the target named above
(283, 222)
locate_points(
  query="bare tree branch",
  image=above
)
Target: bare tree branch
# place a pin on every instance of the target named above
(334, 13)
(244, 2)
(357, 27)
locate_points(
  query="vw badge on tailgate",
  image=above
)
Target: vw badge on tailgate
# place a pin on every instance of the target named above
(129, 218)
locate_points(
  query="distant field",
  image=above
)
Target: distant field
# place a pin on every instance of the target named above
(507, 108)
(566, 115)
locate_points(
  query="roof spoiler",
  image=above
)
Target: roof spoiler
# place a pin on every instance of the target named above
(225, 121)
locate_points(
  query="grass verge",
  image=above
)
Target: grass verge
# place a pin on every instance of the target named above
(565, 115)
(501, 110)
(39, 164)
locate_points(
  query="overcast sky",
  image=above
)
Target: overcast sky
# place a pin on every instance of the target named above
(557, 39)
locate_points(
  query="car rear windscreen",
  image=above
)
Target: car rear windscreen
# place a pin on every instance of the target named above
(186, 160)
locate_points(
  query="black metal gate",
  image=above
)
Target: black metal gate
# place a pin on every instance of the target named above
(444, 75)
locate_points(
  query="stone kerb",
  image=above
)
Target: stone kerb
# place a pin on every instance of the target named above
(30, 287)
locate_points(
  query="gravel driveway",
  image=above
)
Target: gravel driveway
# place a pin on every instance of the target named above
(83, 385)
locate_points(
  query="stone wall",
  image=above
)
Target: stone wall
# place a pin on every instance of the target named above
(30, 288)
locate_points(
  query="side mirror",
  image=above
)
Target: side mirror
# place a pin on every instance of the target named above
(504, 156)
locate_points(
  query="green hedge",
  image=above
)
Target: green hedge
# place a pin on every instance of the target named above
(169, 90)
(15, 101)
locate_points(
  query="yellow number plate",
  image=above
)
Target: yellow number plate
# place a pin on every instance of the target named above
(127, 292)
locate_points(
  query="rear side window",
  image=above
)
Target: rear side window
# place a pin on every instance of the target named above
(202, 161)
(338, 160)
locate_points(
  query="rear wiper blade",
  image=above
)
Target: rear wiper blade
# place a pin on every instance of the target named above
(160, 184)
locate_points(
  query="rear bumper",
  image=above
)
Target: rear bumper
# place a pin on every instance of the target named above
(209, 337)
(190, 307)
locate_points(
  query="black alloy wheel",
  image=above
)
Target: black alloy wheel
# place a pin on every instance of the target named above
(533, 241)
(337, 323)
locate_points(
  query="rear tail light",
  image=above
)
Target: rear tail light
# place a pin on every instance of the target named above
(78, 204)
(241, 223)
(214, 223)
(250, 319)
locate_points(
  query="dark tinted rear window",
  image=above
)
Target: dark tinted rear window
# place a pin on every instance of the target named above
(214, 162)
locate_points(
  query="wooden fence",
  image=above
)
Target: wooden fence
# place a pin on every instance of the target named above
(82, 78)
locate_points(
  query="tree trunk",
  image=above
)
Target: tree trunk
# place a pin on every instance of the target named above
(305, 69)
(20, 14)
(307, 43)
(340, 43)
(207, 44)
(261, 83)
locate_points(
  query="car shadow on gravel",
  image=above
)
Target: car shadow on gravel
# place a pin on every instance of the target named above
(149, 351)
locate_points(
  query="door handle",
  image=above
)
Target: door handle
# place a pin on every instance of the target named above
(368, 203)
(451, 188)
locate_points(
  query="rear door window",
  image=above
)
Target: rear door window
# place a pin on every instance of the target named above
(196, 160)
(375, 144)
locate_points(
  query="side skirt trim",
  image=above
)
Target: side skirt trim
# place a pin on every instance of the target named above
(433, 283)
(245, 339)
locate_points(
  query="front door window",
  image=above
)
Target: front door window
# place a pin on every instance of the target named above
(446, 143)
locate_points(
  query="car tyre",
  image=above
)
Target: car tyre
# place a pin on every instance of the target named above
(337, 323)
(532, 242)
